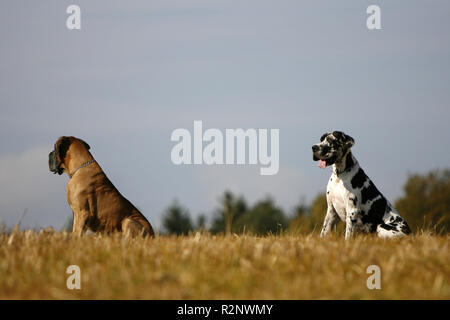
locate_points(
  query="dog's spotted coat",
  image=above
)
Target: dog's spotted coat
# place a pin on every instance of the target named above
(351, 195)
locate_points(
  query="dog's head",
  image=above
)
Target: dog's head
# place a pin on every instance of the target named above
(332, 148)
(58, 159)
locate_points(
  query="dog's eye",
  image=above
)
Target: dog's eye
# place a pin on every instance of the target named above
(323, 137)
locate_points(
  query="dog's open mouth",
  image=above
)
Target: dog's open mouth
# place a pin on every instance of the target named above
(322, 164)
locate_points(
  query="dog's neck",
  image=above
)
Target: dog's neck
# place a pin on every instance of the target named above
(77, 157)
(80, 167)
(345, 164)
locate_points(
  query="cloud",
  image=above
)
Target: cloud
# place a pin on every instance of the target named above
(27, 184)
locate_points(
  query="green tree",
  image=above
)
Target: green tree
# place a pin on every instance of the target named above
(177, 220)
(264, 217)
(426, 201)
(201, 222)
(310, 219)
(231, 210)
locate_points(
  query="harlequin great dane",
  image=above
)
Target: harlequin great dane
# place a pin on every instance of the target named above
(351, 195)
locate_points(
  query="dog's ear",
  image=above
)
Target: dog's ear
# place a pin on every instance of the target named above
(348, 141)
(61, 147)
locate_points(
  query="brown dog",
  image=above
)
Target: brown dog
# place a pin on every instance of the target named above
(96, 204)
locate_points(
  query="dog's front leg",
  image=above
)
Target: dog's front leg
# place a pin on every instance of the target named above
(352, 217)
(331, 218)
(350, 222)
(79, 222)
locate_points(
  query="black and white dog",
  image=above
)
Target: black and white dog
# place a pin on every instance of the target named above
(351, 195)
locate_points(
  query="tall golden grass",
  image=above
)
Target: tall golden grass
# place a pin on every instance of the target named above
(200, 266)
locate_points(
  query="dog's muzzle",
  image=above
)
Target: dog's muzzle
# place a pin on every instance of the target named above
(319, 153)
(53, 164)
(324, 155)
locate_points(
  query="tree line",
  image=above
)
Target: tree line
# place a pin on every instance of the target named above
(425, 205)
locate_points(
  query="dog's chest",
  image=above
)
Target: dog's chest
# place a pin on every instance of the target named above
(338, 194)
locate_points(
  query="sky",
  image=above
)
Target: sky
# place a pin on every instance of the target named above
(138, 70)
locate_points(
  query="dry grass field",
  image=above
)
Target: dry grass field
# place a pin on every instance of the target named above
(33, 266)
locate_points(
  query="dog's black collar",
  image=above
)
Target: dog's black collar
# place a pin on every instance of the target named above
(82, 166)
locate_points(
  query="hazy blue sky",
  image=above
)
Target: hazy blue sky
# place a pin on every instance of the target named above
(137, 70)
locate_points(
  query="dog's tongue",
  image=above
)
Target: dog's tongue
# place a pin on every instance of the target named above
(322, 164)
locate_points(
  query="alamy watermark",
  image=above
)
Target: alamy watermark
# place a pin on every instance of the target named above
(74, 280)
(374, 280)
(73, 21)
(374, 20)
(237, 147)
